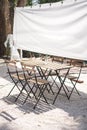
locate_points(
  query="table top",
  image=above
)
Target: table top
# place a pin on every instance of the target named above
(45, 64)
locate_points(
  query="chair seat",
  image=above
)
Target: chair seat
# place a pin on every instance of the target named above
(78, 81)
(39, 81)
(21, 76)
(73, 78)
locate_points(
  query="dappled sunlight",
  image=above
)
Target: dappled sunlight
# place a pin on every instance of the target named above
(64, 114)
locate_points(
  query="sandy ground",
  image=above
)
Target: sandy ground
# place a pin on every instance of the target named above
(63, 115)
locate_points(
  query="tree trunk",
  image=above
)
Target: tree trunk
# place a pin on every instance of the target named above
(6, 20)
(5, 26)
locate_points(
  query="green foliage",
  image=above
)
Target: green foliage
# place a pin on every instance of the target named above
(29, 2)
(8, 50)
(13, 3)
(48, 1)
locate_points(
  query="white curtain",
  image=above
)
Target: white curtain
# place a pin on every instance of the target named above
(59, 29)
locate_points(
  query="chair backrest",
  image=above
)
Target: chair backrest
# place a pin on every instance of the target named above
(77, 67)
(58, 59)
(11, 66)
(28, 71)
(14, 68)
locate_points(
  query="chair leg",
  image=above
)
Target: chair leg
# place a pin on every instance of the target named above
(13, 88)
(74, 87)
(19, 94)
(41, 93)
(23, 88)
(31, 91)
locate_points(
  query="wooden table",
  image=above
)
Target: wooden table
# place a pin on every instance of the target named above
(49, 67)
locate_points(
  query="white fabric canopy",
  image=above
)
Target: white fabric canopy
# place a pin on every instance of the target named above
(59, 29)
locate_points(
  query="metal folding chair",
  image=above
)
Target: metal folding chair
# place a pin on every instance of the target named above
(34, 84)
(38, 88)
(74, 77)
(11, 70)
(62, 78)
(25, 76)
(45, 74)
(16, 74)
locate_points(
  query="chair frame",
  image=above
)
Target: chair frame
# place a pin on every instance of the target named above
(74, 79)
(12, 75)
(36, 82)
